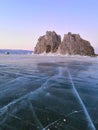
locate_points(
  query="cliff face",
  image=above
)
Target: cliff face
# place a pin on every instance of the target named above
(48, 43)
(72, 44)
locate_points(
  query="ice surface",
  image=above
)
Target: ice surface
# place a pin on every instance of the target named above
(48, 92)
(90, 123)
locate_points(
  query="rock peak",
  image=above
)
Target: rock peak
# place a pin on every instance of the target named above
(48, 43)
(69, 33)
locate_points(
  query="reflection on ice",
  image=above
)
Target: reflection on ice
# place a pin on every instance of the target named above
(54, 95)
(60, 71)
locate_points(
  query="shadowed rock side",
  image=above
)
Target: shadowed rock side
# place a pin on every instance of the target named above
(48, 43)
(72, 44)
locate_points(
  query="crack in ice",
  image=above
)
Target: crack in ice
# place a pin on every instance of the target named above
(90, 123)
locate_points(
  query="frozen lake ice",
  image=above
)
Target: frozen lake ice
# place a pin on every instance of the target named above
(48, 92)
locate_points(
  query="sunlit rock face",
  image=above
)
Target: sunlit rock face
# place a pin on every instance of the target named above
(48, 43)
(73, 44)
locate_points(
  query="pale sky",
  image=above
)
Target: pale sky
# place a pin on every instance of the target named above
(23, 21)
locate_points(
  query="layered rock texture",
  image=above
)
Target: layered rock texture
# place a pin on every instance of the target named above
(72, 44)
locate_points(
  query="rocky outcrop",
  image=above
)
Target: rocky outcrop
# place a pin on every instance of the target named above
(48, 43)
(72, 44)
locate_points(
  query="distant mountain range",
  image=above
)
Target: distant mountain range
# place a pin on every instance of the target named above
(9, 51)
